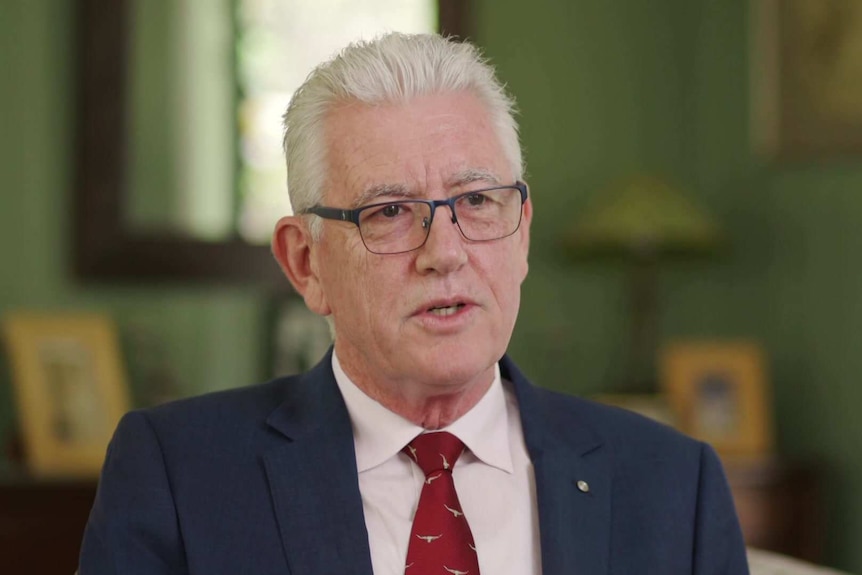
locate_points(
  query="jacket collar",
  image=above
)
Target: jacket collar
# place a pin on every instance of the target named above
(313, 479)
(315, 485)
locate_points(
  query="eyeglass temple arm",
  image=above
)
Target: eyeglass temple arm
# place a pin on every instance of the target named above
(333, 214)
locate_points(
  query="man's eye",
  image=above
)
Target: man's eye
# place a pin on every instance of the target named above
(391, 211)
(476, 199)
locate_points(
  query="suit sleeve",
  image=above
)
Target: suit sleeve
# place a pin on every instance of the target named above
(133, 527)
(719, 547)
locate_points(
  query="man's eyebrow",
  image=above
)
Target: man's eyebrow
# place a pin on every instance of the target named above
(471, 175)
(461, 178)
(380, 190)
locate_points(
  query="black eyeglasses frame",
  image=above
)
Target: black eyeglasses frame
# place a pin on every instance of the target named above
(352, 215)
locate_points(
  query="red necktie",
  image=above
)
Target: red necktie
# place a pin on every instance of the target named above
(440, 540)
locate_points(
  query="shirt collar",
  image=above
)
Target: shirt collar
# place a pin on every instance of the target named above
(379, 433)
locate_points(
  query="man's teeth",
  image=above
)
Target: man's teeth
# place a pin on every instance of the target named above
(444, 311)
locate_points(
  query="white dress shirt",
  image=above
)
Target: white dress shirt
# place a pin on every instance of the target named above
(493, 477)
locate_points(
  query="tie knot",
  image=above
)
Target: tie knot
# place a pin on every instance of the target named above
(435, 451)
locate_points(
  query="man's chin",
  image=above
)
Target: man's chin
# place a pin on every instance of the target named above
(455, 369)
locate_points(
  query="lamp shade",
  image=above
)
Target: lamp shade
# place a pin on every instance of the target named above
(642, 217)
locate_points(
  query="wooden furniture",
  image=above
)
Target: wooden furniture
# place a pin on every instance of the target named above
(779, 506)
(42, 522)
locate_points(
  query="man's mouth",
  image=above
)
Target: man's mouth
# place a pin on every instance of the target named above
(443, 311)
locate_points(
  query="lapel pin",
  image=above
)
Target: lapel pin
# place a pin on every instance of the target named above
(584, 486)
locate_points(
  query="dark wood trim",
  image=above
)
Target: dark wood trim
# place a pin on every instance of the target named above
(454, 19)
(42, 523)
(104, 248)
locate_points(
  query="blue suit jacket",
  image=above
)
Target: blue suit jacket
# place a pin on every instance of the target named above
(263, 481)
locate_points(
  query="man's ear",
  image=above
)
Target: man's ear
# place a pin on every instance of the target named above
(297, 255)
(524, 235)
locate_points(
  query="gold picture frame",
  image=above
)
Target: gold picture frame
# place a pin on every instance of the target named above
(69, 387)
(651, 405)
(718, 391)
(806, 79)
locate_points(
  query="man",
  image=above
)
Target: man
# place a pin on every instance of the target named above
(411, 236)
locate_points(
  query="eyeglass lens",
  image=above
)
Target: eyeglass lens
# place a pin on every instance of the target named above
(404, 225)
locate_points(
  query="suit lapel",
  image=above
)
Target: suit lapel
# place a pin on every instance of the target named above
(573, 482)
(313, 480)
(574, 522)
(315, 491)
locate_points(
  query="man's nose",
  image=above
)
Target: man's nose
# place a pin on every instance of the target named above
(444, 250)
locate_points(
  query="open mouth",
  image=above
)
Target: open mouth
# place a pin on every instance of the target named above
(444, 311)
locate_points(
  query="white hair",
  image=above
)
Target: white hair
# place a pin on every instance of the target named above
(392, 68)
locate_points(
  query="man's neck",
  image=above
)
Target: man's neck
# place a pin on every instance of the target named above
(431, 407)
(435, 412)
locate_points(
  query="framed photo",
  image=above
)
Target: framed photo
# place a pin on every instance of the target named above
(69, 388)
(651, 405)
(806, 78)
(719, 394)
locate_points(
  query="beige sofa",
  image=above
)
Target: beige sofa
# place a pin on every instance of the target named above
(767, 563)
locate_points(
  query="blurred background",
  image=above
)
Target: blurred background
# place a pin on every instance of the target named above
(676, 89)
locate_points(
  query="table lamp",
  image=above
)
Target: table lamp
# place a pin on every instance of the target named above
(641, 221)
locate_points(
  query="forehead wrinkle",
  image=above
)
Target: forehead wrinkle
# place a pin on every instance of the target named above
(355, 177)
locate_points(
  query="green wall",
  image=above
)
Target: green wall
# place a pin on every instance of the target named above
(611, 88)
(606, 89)
(209, 337)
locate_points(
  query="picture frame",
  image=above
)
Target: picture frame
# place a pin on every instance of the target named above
(719, 393)
(651, 405)
(70, 389)
(806, 79)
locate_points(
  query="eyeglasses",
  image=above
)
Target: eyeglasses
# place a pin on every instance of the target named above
(403, 225)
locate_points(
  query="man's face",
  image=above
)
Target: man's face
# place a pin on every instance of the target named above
(431, 321)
